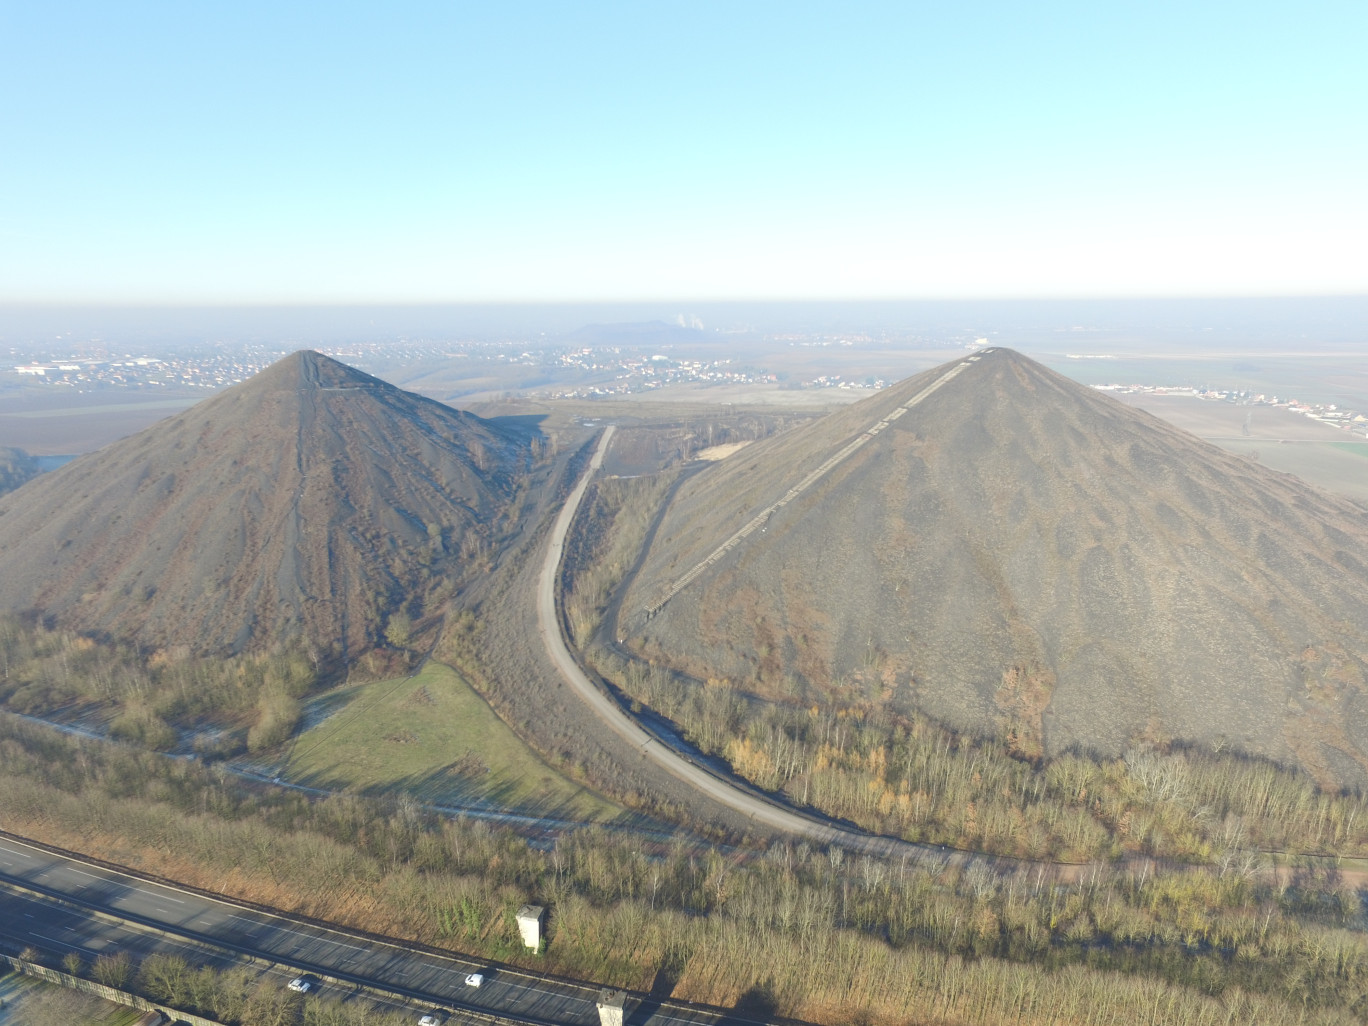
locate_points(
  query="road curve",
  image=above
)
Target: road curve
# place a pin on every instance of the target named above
(759, 810)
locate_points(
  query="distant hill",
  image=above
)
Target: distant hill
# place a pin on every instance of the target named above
(1019, 553)
(634, 333)
(305, 504)
(16, 467)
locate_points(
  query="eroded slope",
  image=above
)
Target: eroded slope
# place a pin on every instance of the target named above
(302, 506)
(1021, 553)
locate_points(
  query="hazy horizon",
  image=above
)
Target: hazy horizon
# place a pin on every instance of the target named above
(1223, 321)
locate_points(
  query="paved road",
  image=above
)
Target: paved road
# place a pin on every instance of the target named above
(210, 931)
(28, 920)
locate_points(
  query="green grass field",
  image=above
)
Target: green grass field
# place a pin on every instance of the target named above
(1357, 448)
(434, 737)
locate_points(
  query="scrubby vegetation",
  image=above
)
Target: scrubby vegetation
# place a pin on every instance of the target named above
(904, 775)
(606, 539)
(851, 756)
(43, 671)
(825, 935)
(16, 467)
(239, 995)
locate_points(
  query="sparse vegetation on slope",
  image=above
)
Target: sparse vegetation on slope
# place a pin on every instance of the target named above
(1021, 554)
(604, 544)
(16, 467)
(847, 754)
(300, 509)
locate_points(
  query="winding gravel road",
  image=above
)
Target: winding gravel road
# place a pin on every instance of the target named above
(761, 811)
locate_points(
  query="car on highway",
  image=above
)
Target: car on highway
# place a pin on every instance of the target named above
(299, 985)
(474, 979)
(431, 1019)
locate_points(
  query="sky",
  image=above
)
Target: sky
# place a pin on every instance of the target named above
(246, 152)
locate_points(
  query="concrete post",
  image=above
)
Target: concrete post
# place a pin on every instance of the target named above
(610, 1004)
(530, 926)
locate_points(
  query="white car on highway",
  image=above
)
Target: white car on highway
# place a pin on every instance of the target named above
(299, 985)
(432, 1019)
(474, 979)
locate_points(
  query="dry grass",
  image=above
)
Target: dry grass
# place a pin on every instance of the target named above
(432, 736)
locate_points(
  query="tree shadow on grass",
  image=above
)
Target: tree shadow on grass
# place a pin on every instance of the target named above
(661, 987)
(756, 1005)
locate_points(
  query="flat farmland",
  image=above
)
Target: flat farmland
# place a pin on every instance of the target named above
(1324, 456)
(52, 425)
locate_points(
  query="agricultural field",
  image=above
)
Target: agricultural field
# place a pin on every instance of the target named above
(1323, 456)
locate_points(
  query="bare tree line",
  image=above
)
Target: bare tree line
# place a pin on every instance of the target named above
(832, 937)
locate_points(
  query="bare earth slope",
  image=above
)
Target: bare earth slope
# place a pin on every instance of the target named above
(303, 504)
(1017, 552)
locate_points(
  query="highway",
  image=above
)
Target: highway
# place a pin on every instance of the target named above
(62, 904)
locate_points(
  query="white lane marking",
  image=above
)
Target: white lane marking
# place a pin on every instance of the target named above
(54, 940)
(321, 934)
(91, 875)
(154, 894)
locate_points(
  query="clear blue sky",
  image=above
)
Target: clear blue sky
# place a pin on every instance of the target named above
(291, 152)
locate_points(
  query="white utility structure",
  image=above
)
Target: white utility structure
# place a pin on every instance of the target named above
(530, 925)
(610, 1004)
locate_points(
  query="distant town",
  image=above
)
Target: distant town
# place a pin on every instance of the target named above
(546, 371)
(1327, 413)
(555, 372)
(210, 371)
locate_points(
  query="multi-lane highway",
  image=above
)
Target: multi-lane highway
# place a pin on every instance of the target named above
(61, 904)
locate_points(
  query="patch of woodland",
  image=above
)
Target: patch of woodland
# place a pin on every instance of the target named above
(828, 937)
(169, 701)
(904, 775)
(16, 467)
